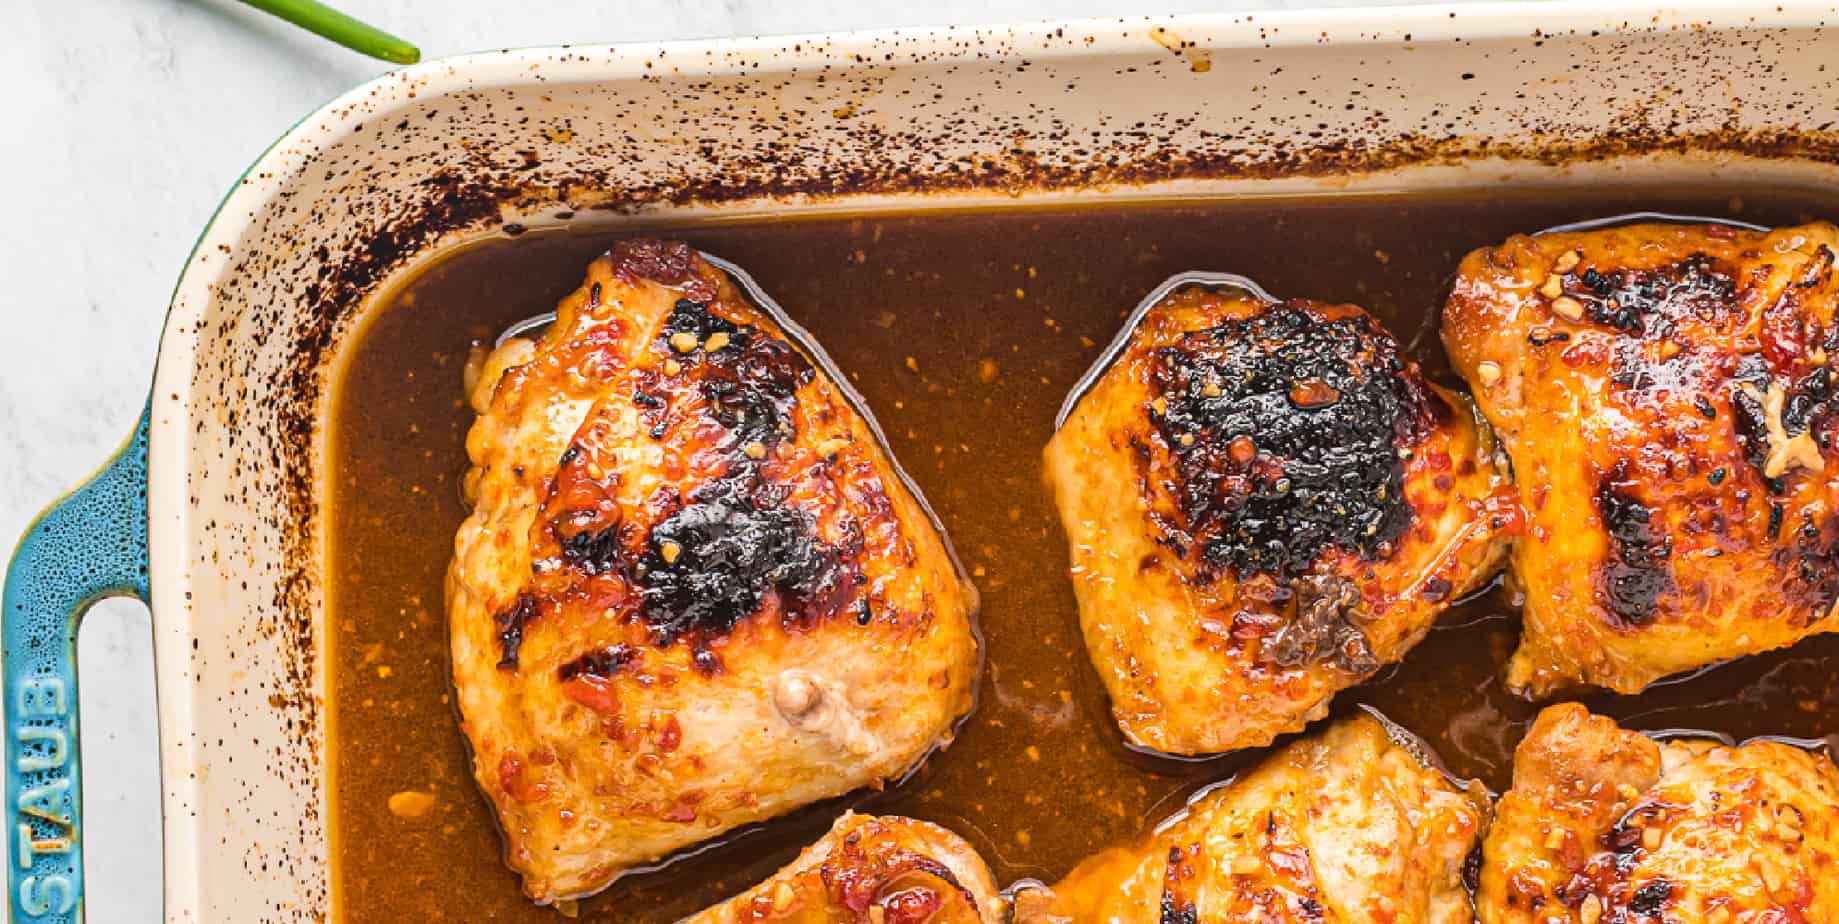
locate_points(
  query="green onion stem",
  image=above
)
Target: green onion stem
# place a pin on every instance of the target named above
(327, 22)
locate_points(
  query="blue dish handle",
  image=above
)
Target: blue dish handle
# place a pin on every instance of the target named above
(89, 545)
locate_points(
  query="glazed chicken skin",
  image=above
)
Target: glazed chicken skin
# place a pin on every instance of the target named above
(1348, 826)
(1606, 825)
(870, 870)
(693, 592)
(1665, 395)
(1266, 502)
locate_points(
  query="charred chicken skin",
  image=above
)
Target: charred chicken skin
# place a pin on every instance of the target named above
(1665, 394)
(693, 592)
(1606, 825)
(1266, 502)
(1348, 826)
(871, 870)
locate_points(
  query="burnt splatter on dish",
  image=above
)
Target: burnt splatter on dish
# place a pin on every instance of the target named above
(694, 591)
(1266, 502)
(1665, 393)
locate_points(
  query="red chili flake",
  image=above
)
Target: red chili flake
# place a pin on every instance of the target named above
(1504, 511)
(669, 734)
(596, 693)
(584, 503)
(1590, 352)
(1313, 393)
(1242, 449)
(511, 780)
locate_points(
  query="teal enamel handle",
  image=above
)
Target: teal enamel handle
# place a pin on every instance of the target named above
(89, 545)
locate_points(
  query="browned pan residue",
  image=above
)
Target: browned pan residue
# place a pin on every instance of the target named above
(963, 330)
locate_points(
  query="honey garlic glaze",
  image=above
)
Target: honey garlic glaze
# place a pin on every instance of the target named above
(964, 331)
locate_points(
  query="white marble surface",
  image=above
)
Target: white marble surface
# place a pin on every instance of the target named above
(129, 119)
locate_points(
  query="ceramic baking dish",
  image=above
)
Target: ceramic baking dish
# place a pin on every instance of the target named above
(210, 511)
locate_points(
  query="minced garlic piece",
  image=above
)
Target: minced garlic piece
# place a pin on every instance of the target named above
(411, 803)
(1785, 452)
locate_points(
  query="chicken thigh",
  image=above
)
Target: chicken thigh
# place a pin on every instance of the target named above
(1665, 395)
(1266, 502)
(694, 592)
(871, 870)
(1349, 826)
(1606, 825)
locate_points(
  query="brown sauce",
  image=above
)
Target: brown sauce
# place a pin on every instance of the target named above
(1000, 312)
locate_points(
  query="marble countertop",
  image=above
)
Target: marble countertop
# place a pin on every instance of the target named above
(130, 119)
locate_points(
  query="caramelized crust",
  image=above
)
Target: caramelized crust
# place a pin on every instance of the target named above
(1266, 503)
(1606, 825)
(693, 593)
(1665, 394)
(870, 870)
(1347, 826)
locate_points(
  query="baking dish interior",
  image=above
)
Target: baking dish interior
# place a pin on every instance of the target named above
(386, 179)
